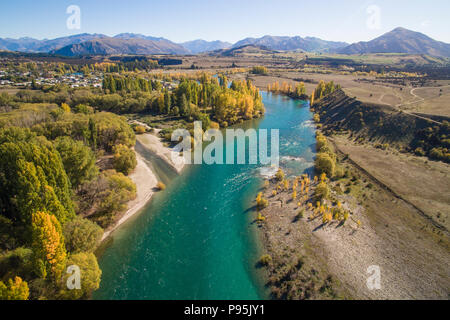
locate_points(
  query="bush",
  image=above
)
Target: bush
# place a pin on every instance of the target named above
(124, 159)
(322, 192)
(81, 235)
(259, 70)
(325, 164)
(108, 195)
(339, 172)
(78, 159)
(279, 175)
(419, 152)
(316, 118)
(161, 186)
(90, 279)
(265, 260)
(19, 261)
(140, 129)
(82, 108)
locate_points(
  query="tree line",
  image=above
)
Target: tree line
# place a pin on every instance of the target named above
(58, 194)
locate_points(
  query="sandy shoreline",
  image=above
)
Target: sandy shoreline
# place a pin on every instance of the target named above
(155, 144)
(144, 178)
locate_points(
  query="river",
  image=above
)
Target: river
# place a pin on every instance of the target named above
(196, 240)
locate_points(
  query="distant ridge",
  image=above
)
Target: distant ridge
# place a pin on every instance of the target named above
(248, 48)
(200, 46)
(400, 40)
(109, 46)
(34, 45)
(292, 43)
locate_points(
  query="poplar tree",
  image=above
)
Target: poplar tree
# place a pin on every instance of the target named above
(49, 253)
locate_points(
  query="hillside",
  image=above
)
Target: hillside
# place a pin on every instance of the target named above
(384, 125)
(400, 40)
(200, 46)
(291, 43)
(244, 50)
(46, 45)
(110, 46)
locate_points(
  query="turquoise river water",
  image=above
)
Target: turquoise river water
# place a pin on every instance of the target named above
(196, 240)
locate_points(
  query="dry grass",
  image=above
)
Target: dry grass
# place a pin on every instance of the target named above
(412, 254)
(422, 182)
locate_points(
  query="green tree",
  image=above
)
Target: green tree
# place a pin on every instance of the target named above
(83, 108)
(32, 178)
(124, 159)
(325, 164)
(321, 192)
(81, 235)
(108, 195)
(78, 159)
(93, 134)
(167, 102)
(90, 276)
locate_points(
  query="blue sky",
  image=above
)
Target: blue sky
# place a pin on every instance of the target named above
(228, 20)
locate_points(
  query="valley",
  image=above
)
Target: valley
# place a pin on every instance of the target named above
(86, 126)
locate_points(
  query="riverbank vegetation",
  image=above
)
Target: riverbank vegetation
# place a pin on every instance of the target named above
(296, 92)
(383, 126)
(300, 200)
(59, 189)
(65, 157)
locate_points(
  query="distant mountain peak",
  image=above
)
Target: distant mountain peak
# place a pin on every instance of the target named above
(400, 40)
(200, 46)
(286, 43)
(111, 46)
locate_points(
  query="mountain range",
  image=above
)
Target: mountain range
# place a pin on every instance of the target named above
(399, 40)
(292, 43)
(200, 46)
(109, 46)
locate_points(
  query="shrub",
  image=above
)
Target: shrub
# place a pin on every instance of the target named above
(279, 175)
(325, 164)
(265, 260)
(339, 172)
(14, 290)
(78, 160)
(322, 192)
(161, 186)
(107, 196)
(419, 152)
(90, 280)
(259, 70)
(81, 235)
(124, 159)
(140, 129)
(82, 108)
(19, 260)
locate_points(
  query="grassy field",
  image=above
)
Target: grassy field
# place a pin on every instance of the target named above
(415, 179)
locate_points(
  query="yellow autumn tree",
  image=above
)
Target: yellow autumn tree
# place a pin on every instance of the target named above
(65, 107)
(49, 253)
(14, 290)
(279, 175)
(312, 99)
